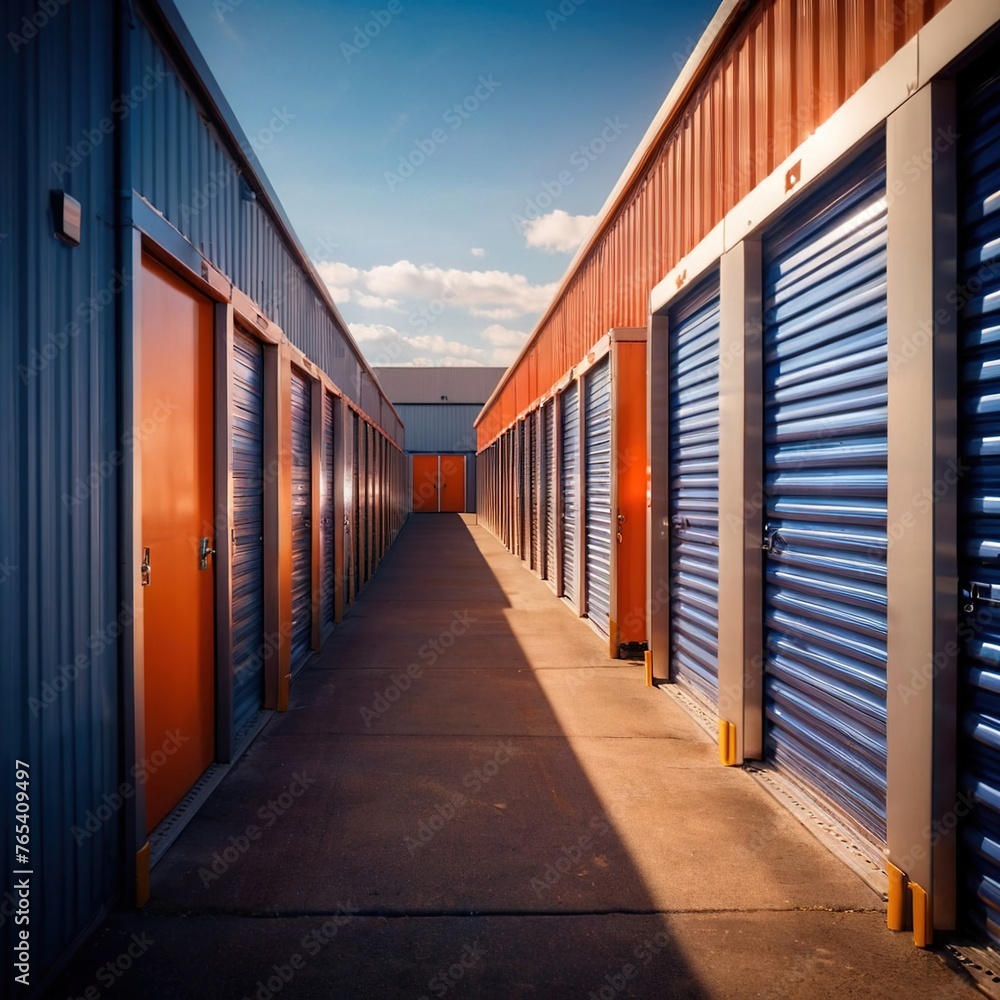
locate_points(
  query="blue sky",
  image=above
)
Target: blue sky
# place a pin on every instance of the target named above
(442, 161)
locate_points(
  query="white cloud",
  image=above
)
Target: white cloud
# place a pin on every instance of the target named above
(473, 290)
(385, 345)
(338, 278)
(490, 294)
(500, 336)
(376, 302)
(558, 232)
(478, 252)
(506, 343)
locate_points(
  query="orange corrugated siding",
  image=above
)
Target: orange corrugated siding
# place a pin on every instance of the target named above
(786, 66)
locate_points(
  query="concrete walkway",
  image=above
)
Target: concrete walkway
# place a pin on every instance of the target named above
(467, 798)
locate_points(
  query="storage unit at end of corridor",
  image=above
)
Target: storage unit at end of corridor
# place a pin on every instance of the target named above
(810, 232)
(439, 407)
(186, 411)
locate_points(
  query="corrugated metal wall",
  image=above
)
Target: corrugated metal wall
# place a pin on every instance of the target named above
(786, 67)
(61, 449)
(439, 428)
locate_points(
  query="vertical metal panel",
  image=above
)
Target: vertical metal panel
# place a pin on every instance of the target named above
(551, 496)
(694, 490)
(248, 528)
(979, 290)
(328, 523)
(302, 515)
(570, 486)
(597, 493)
(59, 498)
(825, 477)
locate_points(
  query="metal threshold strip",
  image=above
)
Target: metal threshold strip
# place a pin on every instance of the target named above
(172, 826)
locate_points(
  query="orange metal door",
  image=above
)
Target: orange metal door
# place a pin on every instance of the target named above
(452, 482)
(425, 483)
(176, 442)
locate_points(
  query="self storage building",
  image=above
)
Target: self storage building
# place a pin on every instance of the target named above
(439, 406)
(808, 237)
(202, 471)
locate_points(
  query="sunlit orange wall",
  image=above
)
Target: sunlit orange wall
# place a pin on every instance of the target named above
(785, 67)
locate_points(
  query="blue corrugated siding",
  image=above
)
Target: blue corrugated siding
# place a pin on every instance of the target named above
(694, 491)
(597, 493)
(979, 281)
(439, 428)
(60, 450)
(825, 351)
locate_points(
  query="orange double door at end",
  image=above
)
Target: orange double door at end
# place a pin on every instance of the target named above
(176, 441)
(438, 484)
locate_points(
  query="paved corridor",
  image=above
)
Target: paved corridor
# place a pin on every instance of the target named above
(468, 799)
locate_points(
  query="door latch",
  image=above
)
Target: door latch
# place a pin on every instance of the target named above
(621, 521)
(982, 594)
(145, 568)
(206, 551)
(772, 539)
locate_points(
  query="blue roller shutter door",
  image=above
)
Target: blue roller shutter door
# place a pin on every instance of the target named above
(535, 480)
(694, 491)
(979, 330)
(597, 489)
(551, 528)
(570, 487)
(301, 518)
(825, 353)
(327, 525)
(248, 529)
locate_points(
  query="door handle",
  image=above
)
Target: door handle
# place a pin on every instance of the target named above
(146, 569)
(206, 551)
